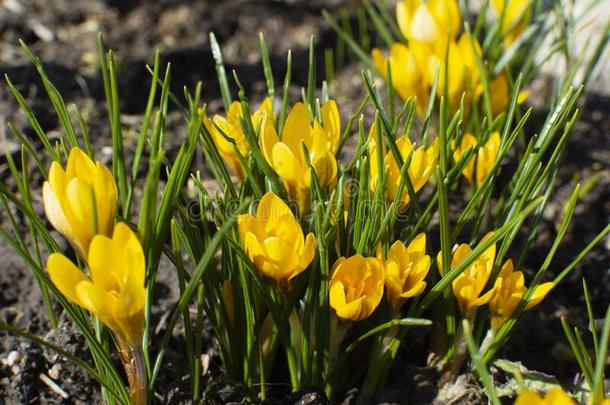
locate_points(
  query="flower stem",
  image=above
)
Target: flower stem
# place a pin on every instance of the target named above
(133, 362)
(461, 349)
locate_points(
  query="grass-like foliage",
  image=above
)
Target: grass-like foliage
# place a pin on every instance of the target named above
(309, 261)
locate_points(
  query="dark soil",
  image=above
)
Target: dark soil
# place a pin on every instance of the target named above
(64, 36)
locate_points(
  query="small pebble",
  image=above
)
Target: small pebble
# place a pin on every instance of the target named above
(54, 371)
(15, 370)
(12, 358)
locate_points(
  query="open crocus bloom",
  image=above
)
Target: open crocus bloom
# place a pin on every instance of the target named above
(231, 128)
(468, 286)
(405, 269)
(510, 287)
(115, 291)
(483, 159)
(274, 241)
(356, 287)
(421, 167)
(80, 201)
(286, 155)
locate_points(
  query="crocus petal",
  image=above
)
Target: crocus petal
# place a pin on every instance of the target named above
(106, 197)
(272, 207)
(355, 310)
(280, 257)
(287, 229)
(379, 60)
(285, 163)
(417, 247)
(105, 263)
(539, 294)
(268, 139)
(447, 15)
(331, 123)
(254, 249)
(420, 269)
(234, 112)
(326, 169)
(483, 299)
(125, 238)
(556, 396)
(95, 299)
(57, 217)
(247, 223)
(80, 165)
(406, 74)
(309, 251)
(81, 200)
(132, 296)
(65, 275)
(460, 253)
(297, 128)
(423, 25)
(220, 123)
(337, 295)
(415, 291)
(528, 398)
(404, 15)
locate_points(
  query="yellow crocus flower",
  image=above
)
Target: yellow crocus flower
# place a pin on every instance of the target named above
(510, 287)
(274, 241)
(231, 127)
(483, 159)
(407, 77)
(405, 269)
(500, 93)
(468, 286)
(555, 396)
(457, 65)
(429, 22)
(421, 167)
(517, 14)
(356, 287)
(286, 155)
(80, 201)
(114, 291)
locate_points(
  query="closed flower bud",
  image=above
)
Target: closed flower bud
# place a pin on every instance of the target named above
(468, 286)
(510, 288)
(114, 291)
(356, 287)
(405, 269)
(274, 241)
(483, 159)
(80, 201)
